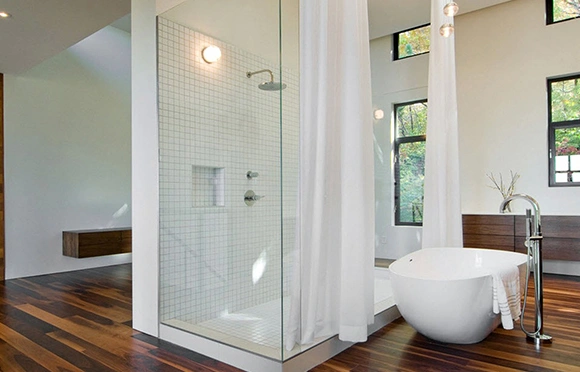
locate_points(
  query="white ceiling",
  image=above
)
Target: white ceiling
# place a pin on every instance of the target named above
(39, 29)
(389, 16)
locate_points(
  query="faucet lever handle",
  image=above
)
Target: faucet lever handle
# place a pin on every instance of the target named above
(528, 223)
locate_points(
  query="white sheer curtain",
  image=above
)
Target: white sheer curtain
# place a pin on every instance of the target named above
(442, 225)
(333, 285)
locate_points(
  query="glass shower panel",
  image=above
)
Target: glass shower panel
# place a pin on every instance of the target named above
(222, 188)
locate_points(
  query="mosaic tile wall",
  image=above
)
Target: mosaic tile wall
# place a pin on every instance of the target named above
(217, 255)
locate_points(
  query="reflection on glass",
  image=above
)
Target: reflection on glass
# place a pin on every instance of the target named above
(411, 119)
(413, 42)
(561, 163)
(412, 174)
(561, 177)
(565, 100)
(566, 9)
(575, 162)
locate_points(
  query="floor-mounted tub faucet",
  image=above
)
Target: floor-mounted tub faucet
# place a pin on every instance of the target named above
(534, 245)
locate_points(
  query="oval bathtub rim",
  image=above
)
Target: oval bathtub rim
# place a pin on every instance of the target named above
(475, 274)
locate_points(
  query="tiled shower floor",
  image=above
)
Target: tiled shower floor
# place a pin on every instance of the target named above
(258, 329)
(259, 324)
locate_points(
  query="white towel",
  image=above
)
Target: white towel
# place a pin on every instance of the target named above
(506, 294)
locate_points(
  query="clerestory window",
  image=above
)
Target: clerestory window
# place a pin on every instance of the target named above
(412, 42)
(561, 10)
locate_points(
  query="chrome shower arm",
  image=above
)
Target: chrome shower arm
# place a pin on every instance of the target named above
(249, 73)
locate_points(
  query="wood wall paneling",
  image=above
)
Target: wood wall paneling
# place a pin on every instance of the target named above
(561, 234)
(505, 243)
(553, 226)
(560, 249)
(488, 231)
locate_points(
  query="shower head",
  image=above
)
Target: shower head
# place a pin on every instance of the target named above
(272, 85)
(267, 85)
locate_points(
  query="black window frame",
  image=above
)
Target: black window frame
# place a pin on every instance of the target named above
(550, 14)
(552, 126)
(396, 56)
(397, 143)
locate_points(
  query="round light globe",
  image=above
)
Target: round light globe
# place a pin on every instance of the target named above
(446, 30)
(211, 54)
(450, 9)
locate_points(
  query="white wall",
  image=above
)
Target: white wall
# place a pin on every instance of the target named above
(504, 55)
(251, 25)
(145, 167)
(67, 153)
(501, 84)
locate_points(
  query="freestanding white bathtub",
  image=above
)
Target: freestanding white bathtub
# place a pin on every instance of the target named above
(446, 294)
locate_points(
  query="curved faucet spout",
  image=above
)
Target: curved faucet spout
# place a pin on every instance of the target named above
(535, 207)
(531, 200)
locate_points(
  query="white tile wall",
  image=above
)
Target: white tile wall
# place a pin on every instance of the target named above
(211, 116)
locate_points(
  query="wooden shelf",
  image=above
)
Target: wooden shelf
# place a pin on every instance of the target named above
(98, 242)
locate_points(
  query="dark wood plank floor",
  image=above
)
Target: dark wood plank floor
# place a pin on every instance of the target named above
(81, 321)
(397, 347)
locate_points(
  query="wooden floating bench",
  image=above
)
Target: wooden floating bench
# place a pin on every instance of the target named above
(98, 242)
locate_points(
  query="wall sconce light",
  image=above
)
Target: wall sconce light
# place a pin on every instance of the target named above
(4, 14)
(211, 54)
(379, 114)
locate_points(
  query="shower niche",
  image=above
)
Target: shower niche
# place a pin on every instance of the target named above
(208, 186)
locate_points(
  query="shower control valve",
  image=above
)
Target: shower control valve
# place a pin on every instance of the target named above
(250, 197)
(251, 175)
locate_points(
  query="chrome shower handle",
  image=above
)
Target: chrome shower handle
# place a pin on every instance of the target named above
(251, 175)
(254, 197)
(250, 197)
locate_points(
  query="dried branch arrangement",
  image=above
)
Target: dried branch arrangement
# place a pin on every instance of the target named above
(506, 189)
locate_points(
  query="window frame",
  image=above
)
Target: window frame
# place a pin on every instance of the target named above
(396, 168)
(552, 126)
(550, 14)
(396, 56)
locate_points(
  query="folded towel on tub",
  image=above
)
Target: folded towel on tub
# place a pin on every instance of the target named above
(506, 294)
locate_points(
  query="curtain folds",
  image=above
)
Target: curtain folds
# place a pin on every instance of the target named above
(333, 281)
(442, 225)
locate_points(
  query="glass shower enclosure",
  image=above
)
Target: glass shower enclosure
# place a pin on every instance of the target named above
(228, 139)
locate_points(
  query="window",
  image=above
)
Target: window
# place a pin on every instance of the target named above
(561, 10)
(411, 42)
(564, 130)
(410, 136)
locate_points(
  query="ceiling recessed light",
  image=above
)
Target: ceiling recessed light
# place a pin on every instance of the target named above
(4, 14)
